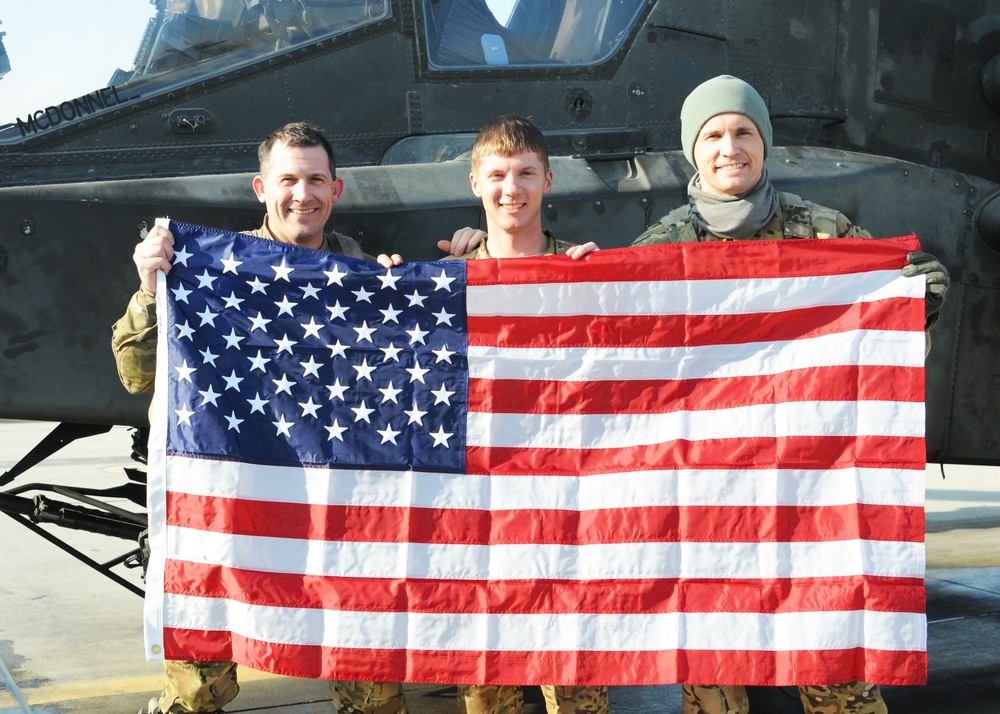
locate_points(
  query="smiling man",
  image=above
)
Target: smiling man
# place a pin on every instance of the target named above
(730, 152)
(726, 135)
(511, 187)
(298, 185)
(511, 175)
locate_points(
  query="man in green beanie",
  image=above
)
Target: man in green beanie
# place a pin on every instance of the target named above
(726, 135)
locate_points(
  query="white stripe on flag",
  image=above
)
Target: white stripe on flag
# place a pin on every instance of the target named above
(578, 364)
(610, 431)
(402, 489)
(604, 561)
(552, 632)
(695, 297)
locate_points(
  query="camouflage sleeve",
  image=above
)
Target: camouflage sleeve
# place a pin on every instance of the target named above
(675, 227)
(653, 235)
(846, 229)
(133, 342)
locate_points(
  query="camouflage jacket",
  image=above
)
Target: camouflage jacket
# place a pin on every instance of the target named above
(133, 336)
(480, 252)
(795, 218)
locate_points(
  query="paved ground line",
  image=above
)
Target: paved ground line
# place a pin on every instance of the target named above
(12, 686)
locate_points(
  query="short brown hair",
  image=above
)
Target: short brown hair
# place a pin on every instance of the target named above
(297, 135)
(509, 135)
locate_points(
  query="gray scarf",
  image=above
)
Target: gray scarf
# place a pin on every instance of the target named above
(732, 217)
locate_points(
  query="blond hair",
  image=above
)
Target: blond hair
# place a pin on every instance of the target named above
(506, 136)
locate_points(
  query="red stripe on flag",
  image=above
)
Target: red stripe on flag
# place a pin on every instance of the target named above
(820, 384)
(754, 668)
(454, 526)
(798, 452)
(690, 330)
(293, 590)
(701, 261)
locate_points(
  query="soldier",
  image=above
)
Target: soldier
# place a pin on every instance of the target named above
(299, 187)
(510, 174)
(726, 135)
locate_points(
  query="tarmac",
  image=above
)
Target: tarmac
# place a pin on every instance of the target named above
(71, 640)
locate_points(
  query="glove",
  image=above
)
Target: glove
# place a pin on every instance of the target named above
(938, 281)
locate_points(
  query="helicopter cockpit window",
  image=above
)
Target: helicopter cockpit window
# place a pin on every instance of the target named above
(134, 48)
(192, 32)
(488, 33)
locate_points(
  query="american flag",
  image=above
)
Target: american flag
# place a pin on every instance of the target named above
(685, 463)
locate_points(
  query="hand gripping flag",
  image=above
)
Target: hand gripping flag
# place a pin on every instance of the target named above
(685, 463)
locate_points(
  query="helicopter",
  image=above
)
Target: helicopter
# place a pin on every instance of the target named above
(889, 111)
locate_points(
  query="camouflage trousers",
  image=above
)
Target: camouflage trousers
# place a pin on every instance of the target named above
(209, 686)
(197, 686)
(849, 698)
(367, 697)
(491, 699)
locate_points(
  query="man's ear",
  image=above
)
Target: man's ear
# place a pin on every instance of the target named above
(475, 185)
(338, 188)
(258, 187)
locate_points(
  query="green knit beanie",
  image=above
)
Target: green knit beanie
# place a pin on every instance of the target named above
(722, 95)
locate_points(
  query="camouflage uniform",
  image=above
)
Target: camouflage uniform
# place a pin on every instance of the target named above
(795, 218)
(702, 699)
(505, 699)
(367, 697)
(208, 686)
(197, 686)
(850, 698)
(481, 251)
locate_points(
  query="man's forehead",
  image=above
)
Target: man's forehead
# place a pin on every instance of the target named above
(729, 118)
(524, 157)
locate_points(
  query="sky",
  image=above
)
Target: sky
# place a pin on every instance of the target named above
(502, 9)
(63, 49)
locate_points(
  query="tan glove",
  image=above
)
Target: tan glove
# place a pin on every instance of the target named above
(938, 282)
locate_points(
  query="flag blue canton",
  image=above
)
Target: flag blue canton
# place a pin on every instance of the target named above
(283, 355)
